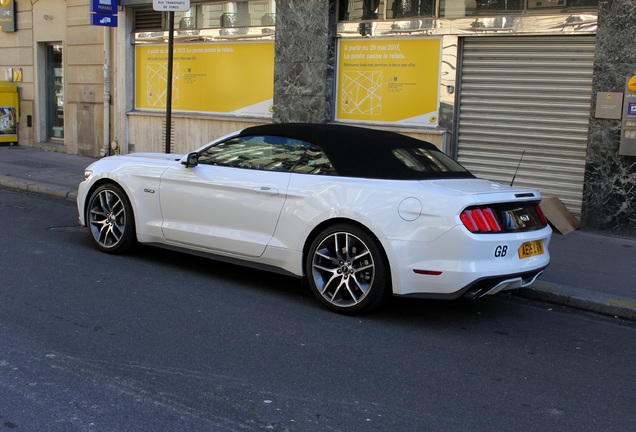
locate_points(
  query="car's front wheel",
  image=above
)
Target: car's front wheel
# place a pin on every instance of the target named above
(110, 219)
(347, 270)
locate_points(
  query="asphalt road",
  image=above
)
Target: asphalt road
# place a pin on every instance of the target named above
(161, 341)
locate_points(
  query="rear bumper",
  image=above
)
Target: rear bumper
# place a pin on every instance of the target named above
(459, 263)
(484, 287)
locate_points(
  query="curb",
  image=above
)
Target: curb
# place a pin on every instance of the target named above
(579, 298)
(38, 188)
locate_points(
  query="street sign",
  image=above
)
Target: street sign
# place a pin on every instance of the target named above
(171, 5)
(104, 20)
(104, 6)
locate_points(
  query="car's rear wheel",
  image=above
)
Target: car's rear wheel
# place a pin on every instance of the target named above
(110, 219)
(347, 270)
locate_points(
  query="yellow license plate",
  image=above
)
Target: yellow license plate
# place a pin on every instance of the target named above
(530, 249)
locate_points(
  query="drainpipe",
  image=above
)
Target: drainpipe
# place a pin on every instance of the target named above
(105, 151)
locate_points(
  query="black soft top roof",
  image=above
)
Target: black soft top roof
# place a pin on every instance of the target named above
(338, 137)
(356, 151)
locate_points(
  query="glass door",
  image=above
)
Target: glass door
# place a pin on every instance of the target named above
(54, 92)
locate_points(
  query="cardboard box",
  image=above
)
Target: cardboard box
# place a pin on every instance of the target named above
(558, 215)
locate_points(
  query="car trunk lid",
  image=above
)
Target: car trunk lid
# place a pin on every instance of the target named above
(496, 208)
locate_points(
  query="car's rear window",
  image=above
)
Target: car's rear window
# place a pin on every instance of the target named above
(393, 162)
(427, 161)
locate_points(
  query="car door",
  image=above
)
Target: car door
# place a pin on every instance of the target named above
(230, 202)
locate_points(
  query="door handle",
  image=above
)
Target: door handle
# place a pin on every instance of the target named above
(265, 190)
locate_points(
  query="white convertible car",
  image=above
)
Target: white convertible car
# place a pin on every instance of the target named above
(360, 213)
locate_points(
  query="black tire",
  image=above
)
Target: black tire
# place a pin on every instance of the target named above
(110, 219)
(347, 270)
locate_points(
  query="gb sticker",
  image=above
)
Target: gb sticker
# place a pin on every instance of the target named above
(501, 251)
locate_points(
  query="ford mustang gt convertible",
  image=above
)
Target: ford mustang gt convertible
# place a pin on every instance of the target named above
(361, 214)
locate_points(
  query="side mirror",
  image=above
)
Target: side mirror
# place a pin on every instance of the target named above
(191, 160)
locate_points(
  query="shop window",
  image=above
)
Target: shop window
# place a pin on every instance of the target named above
(549, 5)
(238, 33)
(244, 86)
(461, 8)
(411, 8)
(374, 10)
(354, 10)
(487, 6)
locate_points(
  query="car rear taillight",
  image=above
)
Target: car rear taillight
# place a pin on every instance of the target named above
(504, 217)
(544, 220)
(480, 220)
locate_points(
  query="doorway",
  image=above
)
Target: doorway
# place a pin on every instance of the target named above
(54, 92)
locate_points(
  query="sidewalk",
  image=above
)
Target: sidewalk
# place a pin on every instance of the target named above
(588, 271)
(42, 172)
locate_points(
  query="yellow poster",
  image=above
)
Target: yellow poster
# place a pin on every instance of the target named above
(389, 80)
(229, 78)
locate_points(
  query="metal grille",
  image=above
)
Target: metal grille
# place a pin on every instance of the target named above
(147, 19)
(527, 93)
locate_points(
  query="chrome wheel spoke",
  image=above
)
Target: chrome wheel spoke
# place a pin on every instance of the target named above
(354, 293)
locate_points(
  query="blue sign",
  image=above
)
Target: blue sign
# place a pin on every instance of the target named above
(631, 108)
(104, 6)
(104, 20)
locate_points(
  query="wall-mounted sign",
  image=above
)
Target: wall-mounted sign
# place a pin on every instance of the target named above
(628, 123)
(104, 6)
(104, 20)
(171, 5)
(389, 81)
(7, 16)
(104, 12)
(228, 78)
(609, 105)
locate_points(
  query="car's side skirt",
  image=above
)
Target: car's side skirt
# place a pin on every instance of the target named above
(227, 259)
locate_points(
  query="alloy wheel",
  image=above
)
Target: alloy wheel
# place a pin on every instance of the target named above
(343, 269)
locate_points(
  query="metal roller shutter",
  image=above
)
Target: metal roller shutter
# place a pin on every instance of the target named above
(527, 93)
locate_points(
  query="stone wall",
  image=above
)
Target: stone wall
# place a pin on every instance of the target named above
(609, 195)
(304, 64)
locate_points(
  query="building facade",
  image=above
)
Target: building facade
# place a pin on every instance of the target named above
(523, 89)
(55, 58)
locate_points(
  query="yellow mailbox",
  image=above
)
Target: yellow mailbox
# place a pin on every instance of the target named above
(9, 112)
